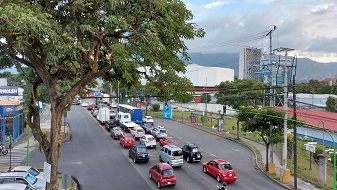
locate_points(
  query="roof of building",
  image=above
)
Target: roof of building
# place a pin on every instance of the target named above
(322, 119)
(327, 80)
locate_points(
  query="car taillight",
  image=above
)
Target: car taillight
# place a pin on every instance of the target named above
(147, 141)
(181, 157)
(172, 158)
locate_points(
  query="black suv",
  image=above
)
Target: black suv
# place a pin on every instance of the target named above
(110, 125)
(191, 152)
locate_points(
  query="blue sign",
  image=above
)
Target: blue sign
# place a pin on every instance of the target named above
(167, 111)
(97, 94)
(9, 91)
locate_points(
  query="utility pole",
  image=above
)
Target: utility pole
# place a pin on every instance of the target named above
(295, 134)
(271, 89)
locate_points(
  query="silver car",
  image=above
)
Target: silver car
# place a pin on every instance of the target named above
(172, 155)
(32, 181)
(15, 186)
(148, 141)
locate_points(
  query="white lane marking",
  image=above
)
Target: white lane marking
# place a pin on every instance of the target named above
(213, 154)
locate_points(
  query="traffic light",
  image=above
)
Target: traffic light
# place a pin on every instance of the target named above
(224, 109)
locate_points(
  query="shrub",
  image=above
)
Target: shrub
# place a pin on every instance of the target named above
(155, 107)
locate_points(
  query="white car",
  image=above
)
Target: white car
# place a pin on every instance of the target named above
(137, 132)
(148, 119)
(28, 169)
(148, 141)
(36, 183)
(15, 186)
(84, 104)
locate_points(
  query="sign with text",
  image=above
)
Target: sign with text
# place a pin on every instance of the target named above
(310, 147)
(9, 91)
(46, 172)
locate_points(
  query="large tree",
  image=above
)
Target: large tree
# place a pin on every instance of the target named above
(68, 43)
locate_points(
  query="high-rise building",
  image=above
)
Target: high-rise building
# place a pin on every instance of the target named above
(249, 63)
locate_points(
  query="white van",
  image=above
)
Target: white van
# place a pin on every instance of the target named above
(123, 118)
(103, 115)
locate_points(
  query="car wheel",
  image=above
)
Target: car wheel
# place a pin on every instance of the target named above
(160, 160)
(188, 159)
(134, 160)
(123, 145)
(155, 146)
(204, 169)
(150, 175)
(158, 185)
(218, 178)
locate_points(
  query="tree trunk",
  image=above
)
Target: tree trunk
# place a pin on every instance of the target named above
(53, 155)
(267, 156)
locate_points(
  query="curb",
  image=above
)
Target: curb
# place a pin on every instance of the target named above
(231, 139)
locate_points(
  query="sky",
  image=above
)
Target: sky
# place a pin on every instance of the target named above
(309, 27)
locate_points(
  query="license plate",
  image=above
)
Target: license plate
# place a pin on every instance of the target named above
(198, 156)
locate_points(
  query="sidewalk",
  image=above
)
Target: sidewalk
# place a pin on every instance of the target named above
(301, 184)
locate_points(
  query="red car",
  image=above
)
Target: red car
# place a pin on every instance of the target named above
(168, 141)
(126, 140)
(90, 107)
(163, 175)
(220, 169)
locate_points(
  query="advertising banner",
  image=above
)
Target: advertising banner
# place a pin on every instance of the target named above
(9, 91)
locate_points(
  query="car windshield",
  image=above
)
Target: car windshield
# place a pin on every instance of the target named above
(226, 167)
(195, 149)
(171, 140)
(139, 130)
(128, 137)
(31, 179)
(162, 131)
(117, 129)
(177, 153)
(34, 171)
(167, 172)
(150, 138)
(142, 150)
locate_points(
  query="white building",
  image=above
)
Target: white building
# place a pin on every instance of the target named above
(249, 62)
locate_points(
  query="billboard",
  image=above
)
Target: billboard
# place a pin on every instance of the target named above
(9, 91)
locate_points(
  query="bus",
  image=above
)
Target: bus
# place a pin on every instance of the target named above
(136, 113)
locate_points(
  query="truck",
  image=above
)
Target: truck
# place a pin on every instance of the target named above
(123, 118)
(103, 115)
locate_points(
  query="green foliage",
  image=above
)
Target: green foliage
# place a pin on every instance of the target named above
(319, 150)
(205, 98)
(331, 103)
(261, 120)
(241, 92)
(155, 107)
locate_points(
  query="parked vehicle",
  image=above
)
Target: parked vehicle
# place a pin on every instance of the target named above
(172, 155)
(148, 119)
(147, 128)
(28, 179)
(168, 141)
(116, 132)
(220, 169)
(137, 132)
(148, 141)
(103, 115)
(28, 169)
(126, 140)
(191, 152)
(138, 153)
(15, 186)
(163, 175)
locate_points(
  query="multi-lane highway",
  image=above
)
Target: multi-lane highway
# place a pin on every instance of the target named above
(99, 162)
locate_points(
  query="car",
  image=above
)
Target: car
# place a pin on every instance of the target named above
(138, 153)
(167, 140)
(90, 107)
(126, 140)
(156, 130)
(15, 186)
(220, 169)
(23, 177)
(148, 119)
(148, 141)
(116, 132)
(84, 104)
(29, 169)
(147, 128)
(137, 132)
(191, 152)
(163, 174)
(95, 113)
(172, 155)
(110, 124)
(112, 114)
(160, 133)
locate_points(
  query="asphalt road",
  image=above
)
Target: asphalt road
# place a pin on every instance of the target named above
(99, 162)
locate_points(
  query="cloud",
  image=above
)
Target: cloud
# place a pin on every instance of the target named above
(216, 4)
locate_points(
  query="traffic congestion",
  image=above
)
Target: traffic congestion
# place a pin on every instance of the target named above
(165, 154)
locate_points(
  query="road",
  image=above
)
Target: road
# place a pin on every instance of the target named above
(99, 162)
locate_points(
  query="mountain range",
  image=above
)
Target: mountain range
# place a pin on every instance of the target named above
(307, 69)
